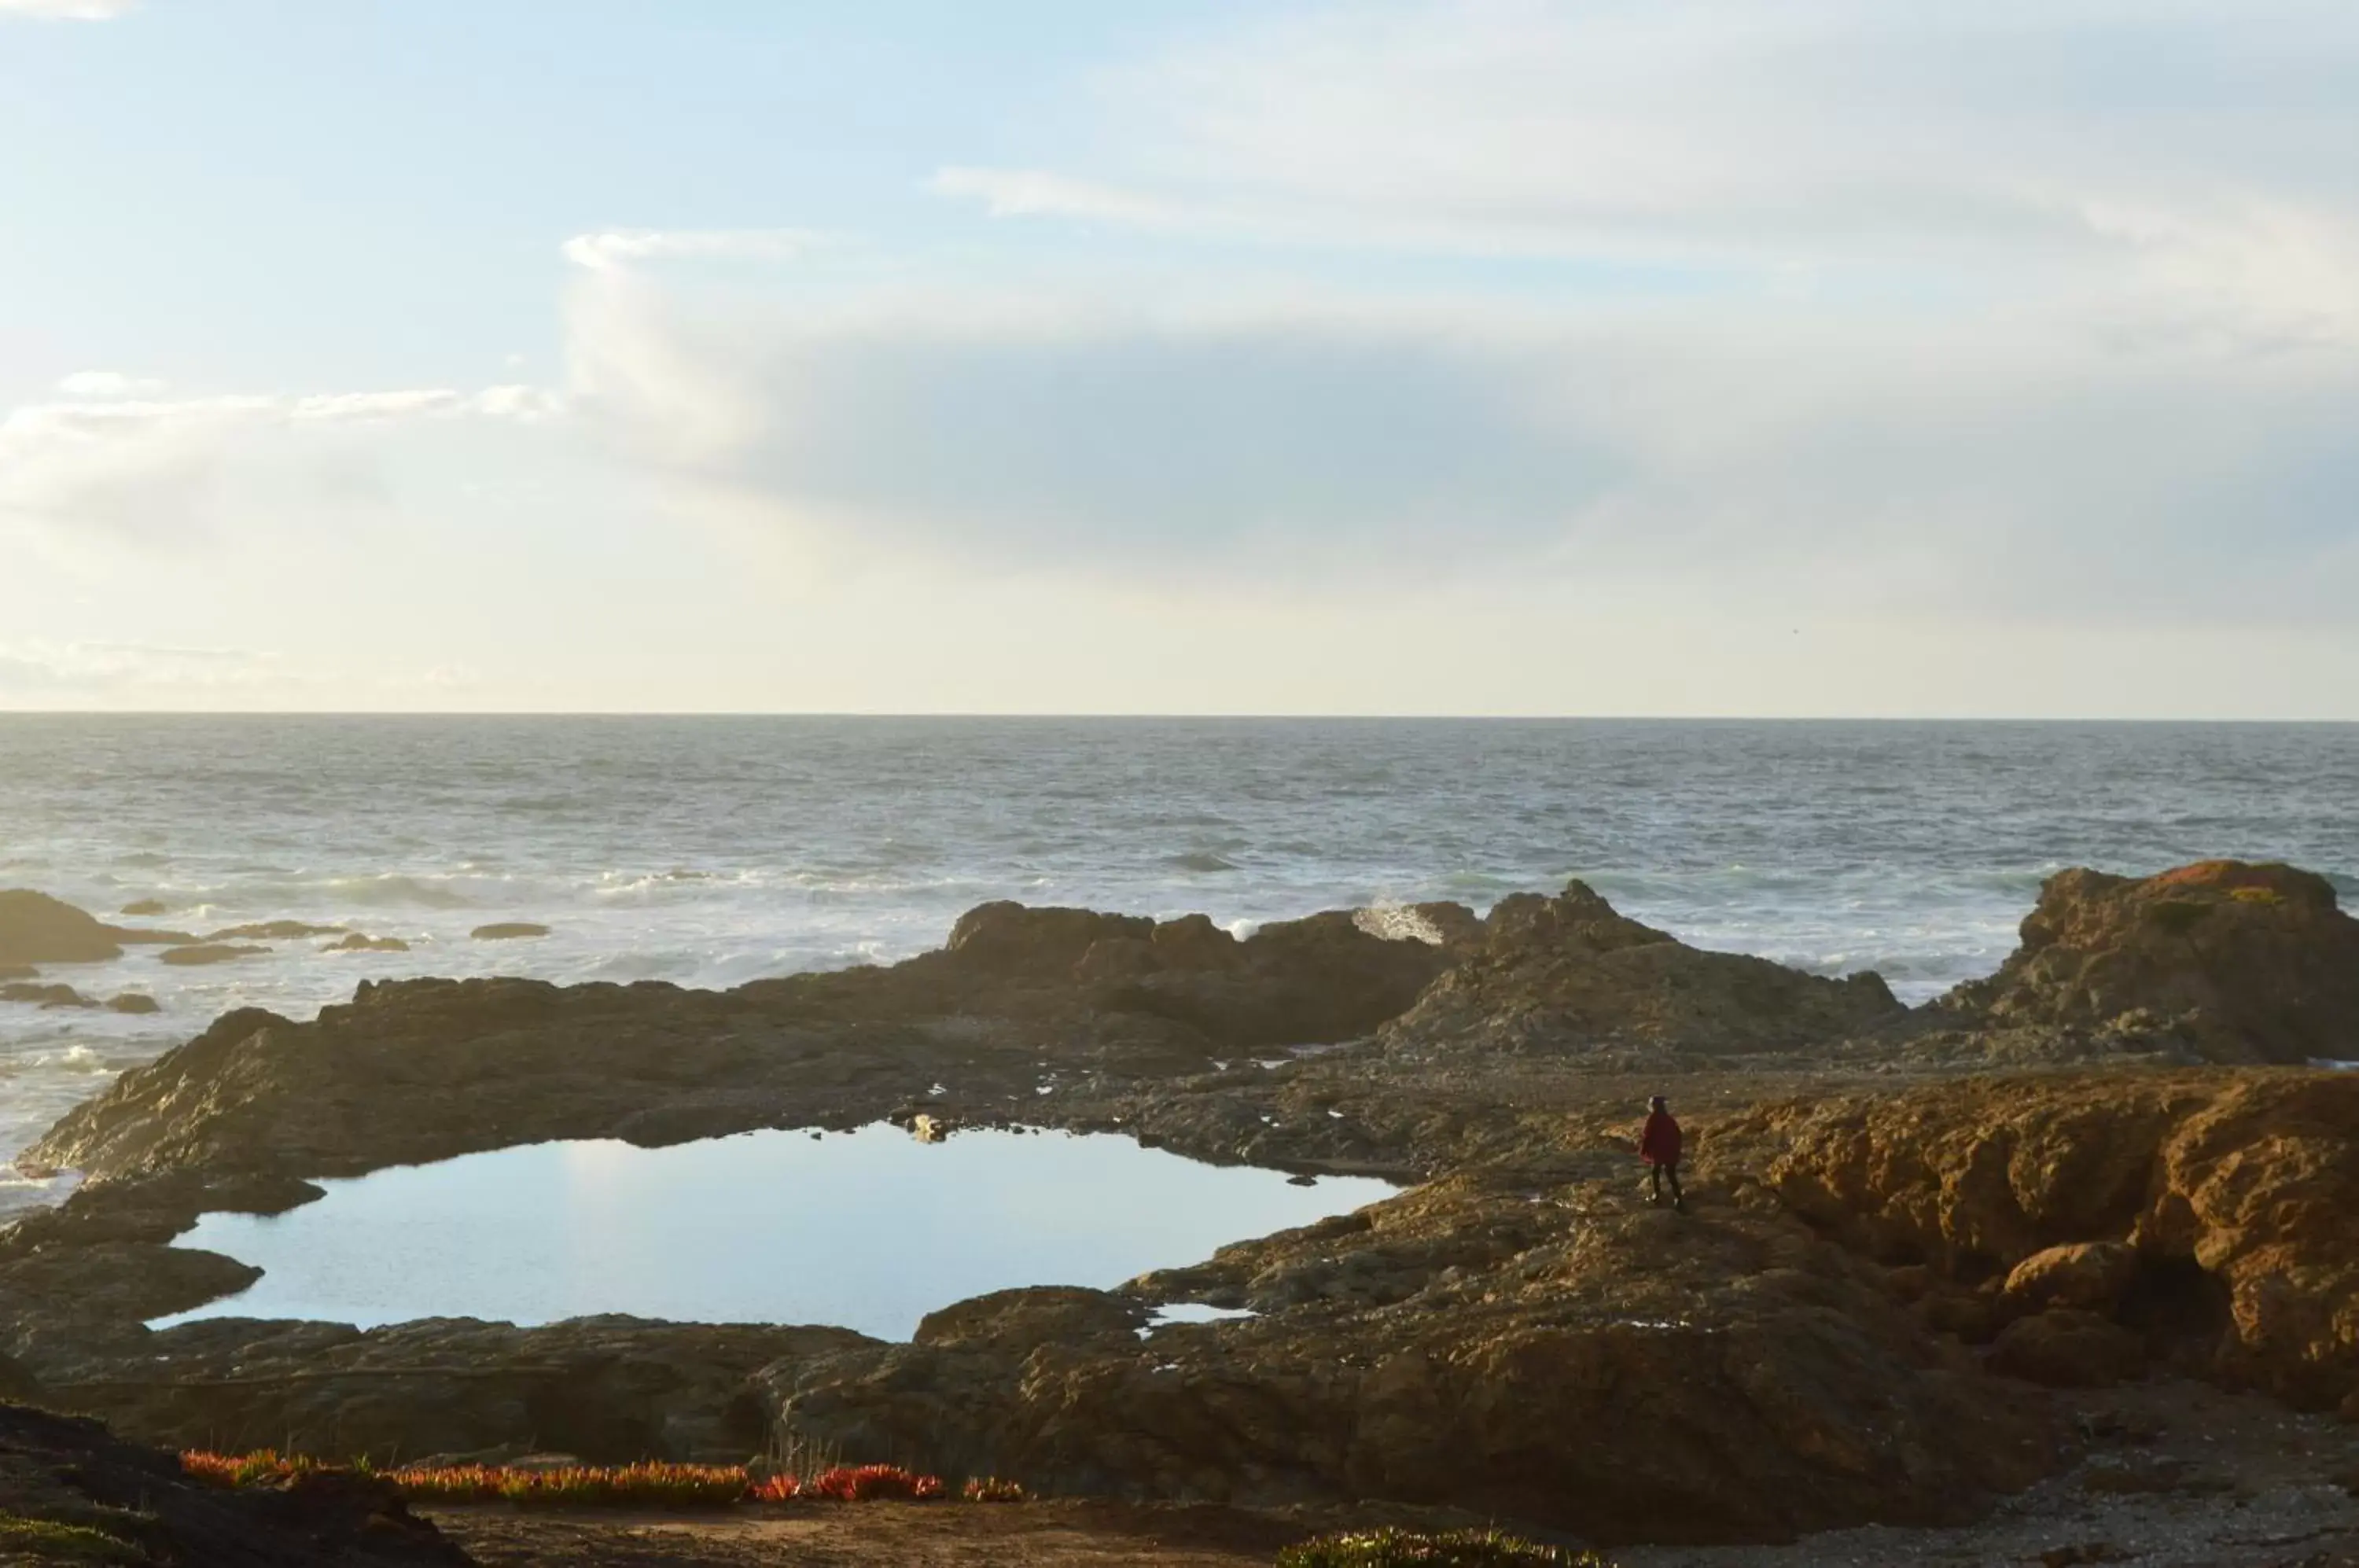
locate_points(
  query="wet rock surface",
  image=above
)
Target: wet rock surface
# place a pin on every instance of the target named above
(1896, 1288)
(70, 1492)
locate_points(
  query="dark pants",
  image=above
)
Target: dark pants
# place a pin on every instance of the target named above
(1656, 1173)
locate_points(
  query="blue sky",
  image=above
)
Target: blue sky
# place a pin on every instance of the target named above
(1491, 356)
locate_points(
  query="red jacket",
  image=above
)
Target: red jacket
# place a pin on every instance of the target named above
(1660, 1144)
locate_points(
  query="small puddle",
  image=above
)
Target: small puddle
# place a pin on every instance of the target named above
(868, 1230)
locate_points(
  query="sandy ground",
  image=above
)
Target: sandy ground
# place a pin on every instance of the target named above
(2172, 1475)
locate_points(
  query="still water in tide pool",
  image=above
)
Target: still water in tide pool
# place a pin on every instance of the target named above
(868, 1230)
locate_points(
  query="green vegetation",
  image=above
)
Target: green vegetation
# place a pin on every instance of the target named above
(48, 1541)
(1410, 1548)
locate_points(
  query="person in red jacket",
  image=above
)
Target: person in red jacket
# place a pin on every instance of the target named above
(1659, 1145)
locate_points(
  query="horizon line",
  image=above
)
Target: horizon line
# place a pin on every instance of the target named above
(1138, 717)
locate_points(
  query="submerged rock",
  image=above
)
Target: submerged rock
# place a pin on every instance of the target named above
(208, 952)
(2248, 962)
(141, 908)
(507, 931)
(132, 1002)
(358, 942)
(45, 995)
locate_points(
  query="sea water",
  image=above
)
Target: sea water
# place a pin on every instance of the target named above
(712, 851)
(869, 1230)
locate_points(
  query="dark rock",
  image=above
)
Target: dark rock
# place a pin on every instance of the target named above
(1780, 1388)
(142, 908)
(37, 928)
(68, 1472)
(1567, 975)
(208, 952)
(507, 931)
(2092, 1276)
(2248, 962)
(126, 1281)
(610, 1389)
(357, 942)
(17, 1384)
(132, 1002)
(1018, 1322)
(2065, 1348)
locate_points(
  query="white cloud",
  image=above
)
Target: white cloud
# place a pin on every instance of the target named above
(67, 10)
(101, 384)
(620, 247)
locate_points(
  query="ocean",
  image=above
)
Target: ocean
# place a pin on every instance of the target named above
(712, 851)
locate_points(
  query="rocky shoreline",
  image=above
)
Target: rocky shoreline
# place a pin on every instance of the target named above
(1920, 1236)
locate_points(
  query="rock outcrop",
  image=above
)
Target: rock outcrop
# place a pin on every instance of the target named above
(1569, 976)
(1580, 1362)
(422, 1070)
(2248, 963)
(609, 1390)
(36, 928)
(69, 1492)
(2215, 1216)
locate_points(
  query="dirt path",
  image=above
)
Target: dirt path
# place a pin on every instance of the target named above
(877, 1535)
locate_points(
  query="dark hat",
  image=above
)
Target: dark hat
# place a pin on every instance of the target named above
(1658, 1104)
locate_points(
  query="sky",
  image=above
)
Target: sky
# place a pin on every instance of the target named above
(1747, 357)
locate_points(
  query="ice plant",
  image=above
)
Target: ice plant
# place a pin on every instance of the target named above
(875, 1483)
(992, 1489)
(1453, 1549)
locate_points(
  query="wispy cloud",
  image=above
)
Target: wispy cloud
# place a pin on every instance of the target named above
(139, 467)
(1035, 193)
(614, 248)
(48, 669)
(67, 10)
(1998, 149)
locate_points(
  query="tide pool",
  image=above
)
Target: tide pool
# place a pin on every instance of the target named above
(868, 1230)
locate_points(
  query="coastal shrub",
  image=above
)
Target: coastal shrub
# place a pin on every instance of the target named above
(1410, 1548)
(651, 1485)
(992, 1489)
(874, 1482)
